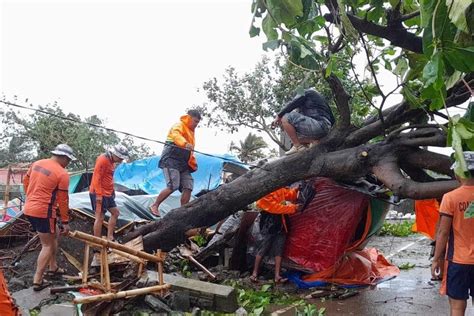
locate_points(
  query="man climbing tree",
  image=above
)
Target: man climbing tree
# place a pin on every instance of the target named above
(434, 72)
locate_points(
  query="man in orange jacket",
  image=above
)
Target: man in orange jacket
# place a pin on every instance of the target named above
(274, 226)
(178, 161)
(46, 186)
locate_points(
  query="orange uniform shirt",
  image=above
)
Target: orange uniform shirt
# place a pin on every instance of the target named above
(102, 183)
(46, 185)
(277, 203)
(459, 205)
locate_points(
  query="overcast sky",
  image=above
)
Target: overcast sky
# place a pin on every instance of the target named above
(135, 63)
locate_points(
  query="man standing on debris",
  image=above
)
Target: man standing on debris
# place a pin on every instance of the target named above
(273, 227)
(101, 191)
(456, 233)
(178, 161)
(311, 122)
(46, 186)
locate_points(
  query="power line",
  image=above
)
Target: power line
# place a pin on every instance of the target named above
(64, 118)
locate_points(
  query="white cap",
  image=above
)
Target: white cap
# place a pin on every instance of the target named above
(64, 150)
(469, 158)
(119, 151)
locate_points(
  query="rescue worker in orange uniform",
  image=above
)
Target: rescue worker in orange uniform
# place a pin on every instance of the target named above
(275, 208)
(455, 241)
(178, 161)
(101, 191)
(46, 185)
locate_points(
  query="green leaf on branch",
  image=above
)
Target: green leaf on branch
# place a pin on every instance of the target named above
(254, 31)
(433, 72)
(426, 11)
(461, 166)
(269, 25)
(274, 44)
(402, 67)
(411, 98)
(329, 67)
(458, 9)
(286, 11)
(461, 58)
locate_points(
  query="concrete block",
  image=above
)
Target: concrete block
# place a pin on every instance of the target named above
(64, 309)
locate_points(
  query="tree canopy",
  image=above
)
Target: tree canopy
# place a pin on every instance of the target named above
(26, 138)
(252, 99)
(427, 45)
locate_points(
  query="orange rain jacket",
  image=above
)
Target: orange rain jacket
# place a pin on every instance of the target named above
(177, 157)
(276, 203)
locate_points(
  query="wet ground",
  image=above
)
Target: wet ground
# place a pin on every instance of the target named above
(411, 293)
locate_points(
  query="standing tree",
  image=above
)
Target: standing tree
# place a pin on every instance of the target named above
(251, 100)
(427, 45)
(28, 138)
(250, 149)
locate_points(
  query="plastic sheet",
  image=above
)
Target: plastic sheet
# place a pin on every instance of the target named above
(364, 267)
(320, 235)
(427, 215)
(132, 208)
(145, 174)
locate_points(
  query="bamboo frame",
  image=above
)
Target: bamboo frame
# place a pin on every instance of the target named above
(109, 244)
(122, 294)
(121, 250)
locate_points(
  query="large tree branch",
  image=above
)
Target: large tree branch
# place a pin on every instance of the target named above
(424, 159)
(342, 100)
(397, 36)
(430, 136)
(389, 173)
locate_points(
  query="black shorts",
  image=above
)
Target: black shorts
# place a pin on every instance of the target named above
(43, 225)
(107, 202)
(460, 281)
(272, 245)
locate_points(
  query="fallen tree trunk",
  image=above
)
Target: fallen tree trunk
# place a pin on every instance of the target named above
(229, 198)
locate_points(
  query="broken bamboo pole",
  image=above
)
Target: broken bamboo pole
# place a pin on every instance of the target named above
(127, 255)
(105, 262)
(103, 242)
(203, 268)
(85, 266)
(123, 294)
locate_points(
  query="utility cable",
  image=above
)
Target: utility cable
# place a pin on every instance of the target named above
(64, 118)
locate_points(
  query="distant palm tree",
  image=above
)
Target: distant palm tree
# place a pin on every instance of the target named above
(250, 149)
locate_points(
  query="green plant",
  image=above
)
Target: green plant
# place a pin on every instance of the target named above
(34, 312)
(406, 266)
(255, 301)
(402, 229)
(200, 240)
(185, 269)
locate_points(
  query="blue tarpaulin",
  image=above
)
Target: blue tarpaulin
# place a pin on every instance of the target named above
(145, 174)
